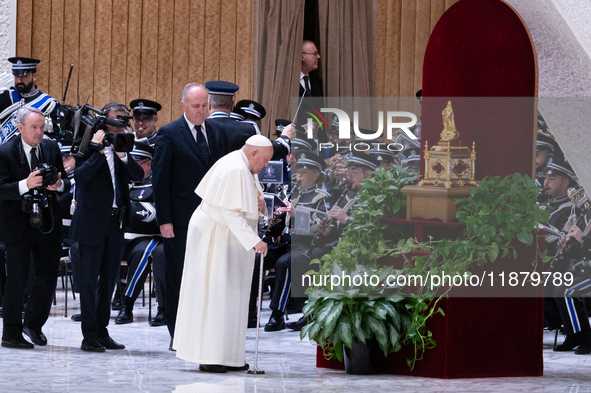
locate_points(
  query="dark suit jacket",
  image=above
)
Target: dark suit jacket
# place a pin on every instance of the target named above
(94, 195)
(235, 134)
(316, 84)
(178, 168)
(15, 167)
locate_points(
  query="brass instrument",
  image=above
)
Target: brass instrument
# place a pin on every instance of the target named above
(329, 222)
(579, 198)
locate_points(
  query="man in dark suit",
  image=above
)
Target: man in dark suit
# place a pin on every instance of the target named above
(102, 204)
(24, 235)
(310, 85)
(185, 150)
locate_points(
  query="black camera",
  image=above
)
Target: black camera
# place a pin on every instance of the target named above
(87, 120)
(33, 202)
(49, 173)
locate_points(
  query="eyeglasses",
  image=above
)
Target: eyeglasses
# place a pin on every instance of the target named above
(313, 54)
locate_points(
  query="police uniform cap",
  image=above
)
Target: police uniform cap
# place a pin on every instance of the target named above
(222, 88)
(303, 144)
(22, 66)
(252, 109)
(280, 125)
(557, 166)
(142, 107)
(309, 160)
(142, 149)
(542, 125)
(358, 159)
(383, 155)
(412, 153)
(544, 142)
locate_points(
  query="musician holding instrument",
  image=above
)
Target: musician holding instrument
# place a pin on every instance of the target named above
(359, 167)
(560, 307)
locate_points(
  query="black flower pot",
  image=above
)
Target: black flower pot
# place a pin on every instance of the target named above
(358, 358)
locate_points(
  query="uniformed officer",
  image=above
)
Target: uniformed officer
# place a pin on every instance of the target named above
(253, 113)
(545, 147)
(385, 157)
(24, 93)
(145, 119)
(143, 240)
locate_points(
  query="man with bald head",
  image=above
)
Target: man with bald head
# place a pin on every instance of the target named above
(185, 150)
(219, 260)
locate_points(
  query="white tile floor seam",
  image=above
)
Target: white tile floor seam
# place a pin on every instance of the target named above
(146, 365)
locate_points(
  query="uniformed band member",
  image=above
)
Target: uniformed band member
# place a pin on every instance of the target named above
(143, 240)
(386, 158)
(545, 147)
(24, 93)
(253, 113)
(145, 118)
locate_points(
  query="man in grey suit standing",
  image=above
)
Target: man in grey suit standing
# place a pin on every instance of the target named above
(185, 150)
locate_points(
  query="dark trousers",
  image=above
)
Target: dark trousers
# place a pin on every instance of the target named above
(139, 257)
(2, 270)
(96, 272)
(158, 267)
(273, 254)
(45, 252)
(174, 251)
(282, 283)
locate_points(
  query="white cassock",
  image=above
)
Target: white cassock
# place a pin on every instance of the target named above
(219, 261)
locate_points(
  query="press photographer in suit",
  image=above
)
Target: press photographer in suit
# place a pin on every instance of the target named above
(102, 204)
(31, 226)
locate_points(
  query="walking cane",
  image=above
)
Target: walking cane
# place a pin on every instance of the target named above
(256, 370)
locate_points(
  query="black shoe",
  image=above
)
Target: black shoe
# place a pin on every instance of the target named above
(252, 323)
(570, 342)
(297, 325)
(109, 343)
(583, 349)
(242, 368)
(213, 368)
(170, 348)
(76, 317)
(19, 343)
(37, 337)
(92, 346)
(158, 320)
(125, 316)
(276, 323)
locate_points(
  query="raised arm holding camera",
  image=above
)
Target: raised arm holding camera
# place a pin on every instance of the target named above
(31, 171)
(102, 205)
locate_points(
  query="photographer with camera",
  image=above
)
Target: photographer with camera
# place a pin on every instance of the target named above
(102, 205)
(30, 225)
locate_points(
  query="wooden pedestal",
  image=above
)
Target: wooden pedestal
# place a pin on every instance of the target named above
(433, 203)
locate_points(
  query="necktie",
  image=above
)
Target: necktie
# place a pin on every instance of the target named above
(34, 159)
(201, 144)
(307, 85)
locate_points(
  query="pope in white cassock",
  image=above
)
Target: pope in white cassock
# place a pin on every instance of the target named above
(219, 260)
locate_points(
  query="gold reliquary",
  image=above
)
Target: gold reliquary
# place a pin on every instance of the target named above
(449, 164)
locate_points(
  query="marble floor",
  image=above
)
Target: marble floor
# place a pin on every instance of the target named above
(146, 365)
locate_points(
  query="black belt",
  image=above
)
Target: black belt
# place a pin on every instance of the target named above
(114, 211)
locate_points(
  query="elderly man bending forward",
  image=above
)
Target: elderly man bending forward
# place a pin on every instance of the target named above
(219, 259)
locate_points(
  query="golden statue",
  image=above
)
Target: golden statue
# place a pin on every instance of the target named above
(449, 132)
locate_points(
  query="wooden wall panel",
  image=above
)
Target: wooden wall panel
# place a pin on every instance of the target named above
(120, 17)
(134, 49)
(211, 40)
(71, 49)
(123, 50)
(181, 59)
(86, 58)
(149, 50)
(102, 52)
(24, 33)
(56, 83)
(41, 41)
(165, 41)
